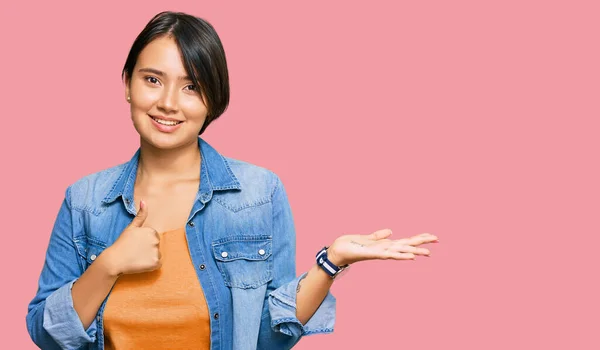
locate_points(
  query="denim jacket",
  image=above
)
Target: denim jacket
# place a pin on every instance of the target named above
(240, 208)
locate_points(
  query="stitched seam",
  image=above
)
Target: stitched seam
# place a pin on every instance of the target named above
(277, 182)
(291, 320)
(205, 162)
(96, 242)
(87, 209)
(243, 257)
(295, 321)
(319, 330)
(212, 283)
(233, 187)
(242, 238)
(237, 183)
(252, 285)
(245, 206)
(117, 181)
(131, 179)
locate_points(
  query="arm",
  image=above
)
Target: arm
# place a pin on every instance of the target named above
(90, 290)
(52, 321)
(96, 282)
(63, 313)
(284, 323)
(310, 293)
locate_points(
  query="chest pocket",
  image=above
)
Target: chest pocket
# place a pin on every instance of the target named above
(244, 261)
(88, 250)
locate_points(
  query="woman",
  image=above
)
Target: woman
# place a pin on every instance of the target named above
(182, 247)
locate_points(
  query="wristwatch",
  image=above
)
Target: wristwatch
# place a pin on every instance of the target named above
(332, 270)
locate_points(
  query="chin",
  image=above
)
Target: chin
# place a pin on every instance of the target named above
(167, 141)
(164, 142)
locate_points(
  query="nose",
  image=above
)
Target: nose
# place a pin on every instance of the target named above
(168, 100)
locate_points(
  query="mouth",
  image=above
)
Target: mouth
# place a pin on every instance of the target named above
(165, 125)
(166, 122)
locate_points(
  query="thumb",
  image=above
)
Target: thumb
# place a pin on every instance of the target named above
(381, 234)
(141, 216)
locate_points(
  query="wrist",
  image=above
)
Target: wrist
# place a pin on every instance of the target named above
(334, 257)
(331, 262)
(108, 262)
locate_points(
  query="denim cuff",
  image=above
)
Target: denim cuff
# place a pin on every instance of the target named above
(62, 322)
(282, 306)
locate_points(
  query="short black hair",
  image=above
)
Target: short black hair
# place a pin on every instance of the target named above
(202, 54)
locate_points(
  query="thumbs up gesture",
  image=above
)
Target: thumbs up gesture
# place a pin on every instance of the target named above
(137, 248)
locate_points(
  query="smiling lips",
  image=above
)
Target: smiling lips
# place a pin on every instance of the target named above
(166, 124)
(166, 121)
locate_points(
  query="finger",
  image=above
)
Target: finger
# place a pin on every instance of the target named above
(410, 249)
(413, 241)
(141, 216)
(417, 240)
(390, 254)
(381, 234)
(427, 236)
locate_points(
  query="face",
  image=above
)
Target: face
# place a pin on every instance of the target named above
(166, 108)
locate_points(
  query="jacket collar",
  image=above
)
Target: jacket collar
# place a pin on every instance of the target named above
(215, 175)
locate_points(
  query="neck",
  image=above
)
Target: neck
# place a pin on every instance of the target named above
(168, 165)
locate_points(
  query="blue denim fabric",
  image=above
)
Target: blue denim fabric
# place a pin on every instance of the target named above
(240, 208)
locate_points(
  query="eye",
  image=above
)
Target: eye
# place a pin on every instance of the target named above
(191, 87)
(151, 79)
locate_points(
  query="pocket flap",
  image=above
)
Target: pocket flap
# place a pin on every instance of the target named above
(243, 247)
(88, 248)
(93, 251)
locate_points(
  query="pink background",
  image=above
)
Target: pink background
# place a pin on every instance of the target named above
(472, 120)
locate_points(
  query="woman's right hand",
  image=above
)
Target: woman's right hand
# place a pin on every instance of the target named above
(137, 248)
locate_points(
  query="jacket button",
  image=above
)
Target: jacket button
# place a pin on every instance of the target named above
(126, 201)
(98, 318)
(202, 267)
(261, 252)
(93, 257)
(224, 254)
(216, 316)
(191, 223)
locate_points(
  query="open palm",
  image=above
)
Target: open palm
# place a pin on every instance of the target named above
(348, 249)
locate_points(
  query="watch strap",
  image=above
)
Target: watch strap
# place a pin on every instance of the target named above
(327, 266)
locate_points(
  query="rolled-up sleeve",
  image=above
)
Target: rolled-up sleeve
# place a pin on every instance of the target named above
(282, 306)
(52, 321)
(62, 322)
(285, 330)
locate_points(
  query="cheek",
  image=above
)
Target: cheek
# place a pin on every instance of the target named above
(194, 109)
(143, 97)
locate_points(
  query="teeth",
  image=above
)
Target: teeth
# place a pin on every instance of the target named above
(166, 122)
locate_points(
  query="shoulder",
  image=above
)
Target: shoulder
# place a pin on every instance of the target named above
(88, 191)
(258, 186)
(252, 175)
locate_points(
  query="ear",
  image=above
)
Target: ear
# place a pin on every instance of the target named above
(127, 87)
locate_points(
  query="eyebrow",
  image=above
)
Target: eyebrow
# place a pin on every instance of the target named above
(162, 74)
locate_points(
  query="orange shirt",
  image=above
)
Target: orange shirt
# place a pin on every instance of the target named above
(160, 309)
